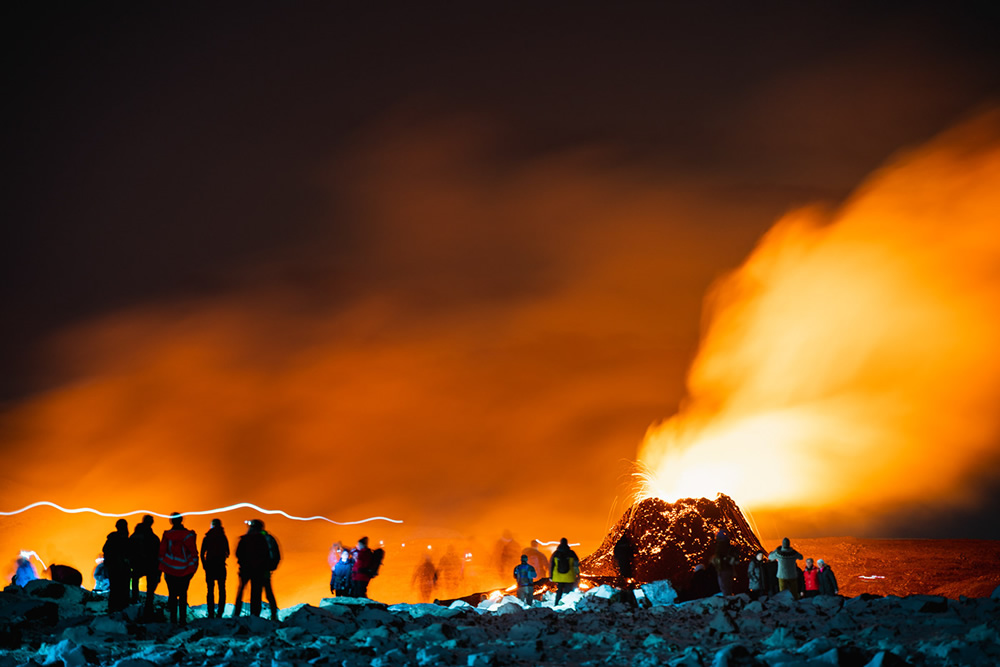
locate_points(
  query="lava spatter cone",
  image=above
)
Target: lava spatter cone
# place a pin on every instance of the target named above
(670, 539)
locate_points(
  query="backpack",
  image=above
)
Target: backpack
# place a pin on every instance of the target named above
(562, 564)
(273, 552)
(378, 555)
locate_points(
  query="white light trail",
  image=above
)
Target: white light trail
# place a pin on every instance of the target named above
(230, 508)
(549, 544)
(28, 554)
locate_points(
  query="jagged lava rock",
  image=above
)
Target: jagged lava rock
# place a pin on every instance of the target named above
(670, 539)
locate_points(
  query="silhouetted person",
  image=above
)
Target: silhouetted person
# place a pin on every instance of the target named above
(772, 576)
(254, 562)
(537, 559)
(425, 579)
(450, 569)
(144, 547)
(827, 580)
(565, 568)
(810, 580)
(214, 552)
(757, 576)
(273, 558)
(507, 553)
(66, 575)
(786, 556)
(178, 563)
(724, 562)
(361, 574)
(116, 566)
(340, 578)
(704, 583)
(524, 575)
(624, 553)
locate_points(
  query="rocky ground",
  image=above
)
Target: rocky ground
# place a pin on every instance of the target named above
(49, 624)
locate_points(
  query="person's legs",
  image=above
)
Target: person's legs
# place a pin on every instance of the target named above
(238, 602)
(171, 597)
(269, 591)
(210, 593)
(152, 581)
(221, 578)
(182, 595)
(256, 586)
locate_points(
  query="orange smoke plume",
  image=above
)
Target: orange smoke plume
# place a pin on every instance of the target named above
(851, 362)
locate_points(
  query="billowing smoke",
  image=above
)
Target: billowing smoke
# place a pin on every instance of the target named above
(850, 368)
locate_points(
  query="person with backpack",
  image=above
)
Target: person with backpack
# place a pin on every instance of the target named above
(524, 575)
(144, 546)
(366, 567)
(273, 559)
(116, 564)
(253, 556)
(214, 552)
(565, 568)
(178, 563)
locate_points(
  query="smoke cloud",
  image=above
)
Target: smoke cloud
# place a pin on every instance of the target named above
(849, 368)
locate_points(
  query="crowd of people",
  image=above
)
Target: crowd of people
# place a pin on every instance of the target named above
(175, 558)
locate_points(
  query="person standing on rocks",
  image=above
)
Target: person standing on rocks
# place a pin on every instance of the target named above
(724, 562)
(178, 562)
(252, 556)
(361, 574)
(565, 568)
(425, 579)
(214, 552)
(537, 559)
(116, 565)
(144, 546)
(785, 556)
(757, 576)
(524, 575)
(624, 554)
(827, 580)
(810, 579)
(340, 580)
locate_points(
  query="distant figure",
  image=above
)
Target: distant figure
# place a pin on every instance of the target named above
(451, 571)
(340, 578)
(757, 576)
(565, 568)
(178, 563)
(771, 567)
(361, 574)
(25, 571)
(724, 562)
(786, 556)
(214, 552)
(810, 580)
(704, 583)
(116, 565)
(537, 559)
(66, 575)
(524, 575)
(827, 580)
(722, 537)
(144, 550)
(101, 583)
(507, 553)
(624, 554)
(273, 559)
(425, 579)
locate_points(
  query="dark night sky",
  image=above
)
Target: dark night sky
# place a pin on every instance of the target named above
(171, 153)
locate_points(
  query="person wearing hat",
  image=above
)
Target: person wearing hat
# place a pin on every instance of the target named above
(525, 575)
(253, 560)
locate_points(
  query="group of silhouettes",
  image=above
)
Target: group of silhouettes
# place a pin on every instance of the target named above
(175, 557)
(354, 570)
(564, 566)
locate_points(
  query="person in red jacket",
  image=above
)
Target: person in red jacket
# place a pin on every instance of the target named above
(178, 563)
(361, 574)
(811, 577)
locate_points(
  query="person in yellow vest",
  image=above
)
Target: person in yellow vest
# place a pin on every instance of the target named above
(565, 568)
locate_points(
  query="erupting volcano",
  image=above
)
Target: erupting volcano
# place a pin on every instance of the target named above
(671, 539)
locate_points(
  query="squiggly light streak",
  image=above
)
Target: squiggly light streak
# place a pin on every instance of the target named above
(230, 508)
(549, 544)
(28, 554)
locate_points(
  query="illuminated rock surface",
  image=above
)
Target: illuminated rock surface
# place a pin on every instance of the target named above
(672, 538)
(927, 630)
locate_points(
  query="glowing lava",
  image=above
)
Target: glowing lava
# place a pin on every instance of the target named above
(851, 362)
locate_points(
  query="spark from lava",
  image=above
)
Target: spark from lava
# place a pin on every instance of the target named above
(219, 510)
